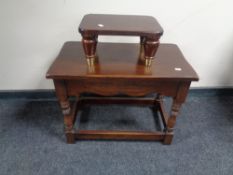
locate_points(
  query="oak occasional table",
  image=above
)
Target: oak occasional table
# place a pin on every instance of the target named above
(118, 71)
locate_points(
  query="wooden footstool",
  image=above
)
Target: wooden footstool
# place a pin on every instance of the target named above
(118, 71)
(146, 27)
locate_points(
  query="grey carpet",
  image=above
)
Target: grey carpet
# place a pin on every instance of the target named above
(32, 140)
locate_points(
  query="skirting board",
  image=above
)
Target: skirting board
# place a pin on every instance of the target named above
(50, 94)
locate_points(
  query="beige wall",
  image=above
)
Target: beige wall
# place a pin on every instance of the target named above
(33, 31)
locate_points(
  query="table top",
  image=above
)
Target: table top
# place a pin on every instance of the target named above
(120, 60)
(100, 24)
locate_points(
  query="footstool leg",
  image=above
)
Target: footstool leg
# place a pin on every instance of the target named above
(89, 46)
(142, 43)
(66, 110)
(150, 48)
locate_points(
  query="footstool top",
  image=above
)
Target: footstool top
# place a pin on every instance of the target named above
(132, 25)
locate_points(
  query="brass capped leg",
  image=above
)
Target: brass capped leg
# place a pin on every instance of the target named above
(89, 46)
(150, 48)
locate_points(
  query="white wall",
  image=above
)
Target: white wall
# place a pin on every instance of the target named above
(32, 33)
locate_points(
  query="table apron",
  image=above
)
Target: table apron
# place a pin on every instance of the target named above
(135, 87)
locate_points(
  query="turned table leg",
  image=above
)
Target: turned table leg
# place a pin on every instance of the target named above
(176, 105)
(69, 116)
(89, 46)
(171, 122)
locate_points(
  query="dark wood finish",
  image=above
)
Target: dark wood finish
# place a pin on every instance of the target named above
(117, 100)
(160, 108)
(168, 138)
(119, 135)
(114, 86)
(131, 25)
(89, 46)
(146, 27)
(67, 110)
(117, 72)
(120, 60)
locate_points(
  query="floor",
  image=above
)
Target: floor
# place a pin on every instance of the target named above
(32, 140)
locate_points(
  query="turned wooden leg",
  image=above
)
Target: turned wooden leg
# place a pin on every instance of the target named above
(66, 110)
(171, 122)
(89, 46)
(180, 97)
(150, 49)
(158, 99)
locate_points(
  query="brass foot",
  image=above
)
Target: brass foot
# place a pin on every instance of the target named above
(90, 61)
(148, 61)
